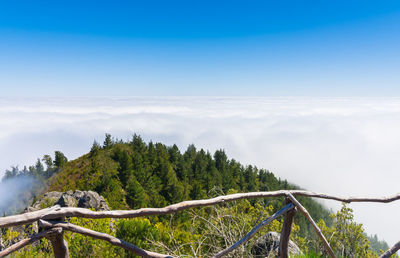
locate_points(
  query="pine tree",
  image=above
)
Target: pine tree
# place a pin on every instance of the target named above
(108, 142)
(136, 197)
(59, 159)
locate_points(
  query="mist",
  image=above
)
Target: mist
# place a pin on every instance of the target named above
(15, 193)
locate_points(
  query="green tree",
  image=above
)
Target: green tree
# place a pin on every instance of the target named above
(377, 246)
(125, 165)
(95, 148)
(347, 238)
(136, 196)
(173, 189)
(39, 168)
(59, 159)
(48, 161)
(11, 173)
(108, 142)
(137, 231)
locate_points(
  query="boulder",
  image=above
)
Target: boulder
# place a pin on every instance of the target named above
(82, 199)
(78, 194)
(67, 200)
(48, 199)
(93, 200)
(268, 246)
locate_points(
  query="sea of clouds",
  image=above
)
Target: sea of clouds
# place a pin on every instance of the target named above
(345, 146)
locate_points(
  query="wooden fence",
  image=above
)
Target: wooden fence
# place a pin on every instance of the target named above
(51, 222)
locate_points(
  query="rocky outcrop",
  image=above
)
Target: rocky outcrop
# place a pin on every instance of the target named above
(82, 199)
(268, 246)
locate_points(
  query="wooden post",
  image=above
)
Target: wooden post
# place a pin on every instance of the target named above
(60, 246)
(312, 222)
(391, 251)
(27, 241)
(254, 230)
(286, 230)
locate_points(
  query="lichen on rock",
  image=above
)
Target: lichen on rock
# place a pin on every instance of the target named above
(82, 199)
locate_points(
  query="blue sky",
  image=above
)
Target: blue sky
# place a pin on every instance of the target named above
(235, 48)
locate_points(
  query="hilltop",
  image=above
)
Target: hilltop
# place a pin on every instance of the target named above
(136, 174)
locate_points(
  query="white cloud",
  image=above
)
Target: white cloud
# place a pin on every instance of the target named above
(346, 146)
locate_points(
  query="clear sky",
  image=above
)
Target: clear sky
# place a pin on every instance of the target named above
(253, 48)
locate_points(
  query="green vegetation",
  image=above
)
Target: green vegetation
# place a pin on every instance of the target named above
(376, 245)
(136, 174)
(38, 171)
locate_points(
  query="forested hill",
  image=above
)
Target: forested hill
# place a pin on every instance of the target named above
(138, 174)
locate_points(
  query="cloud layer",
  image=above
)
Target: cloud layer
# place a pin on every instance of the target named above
(346, 146)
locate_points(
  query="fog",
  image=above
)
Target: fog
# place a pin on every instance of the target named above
(344, 146)
(13, 194)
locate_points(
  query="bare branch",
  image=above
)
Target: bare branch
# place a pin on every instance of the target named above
(57, 212)
(30, 240)
(391, 251)
(26, 218)
(103, 236)
(310, 219)
(85, 213)
(254, 231)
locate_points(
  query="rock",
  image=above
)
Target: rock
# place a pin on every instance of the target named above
(48, 199)
(67, 200)
(83, 199)
(78, 194)
(268, 246)
(92, 200)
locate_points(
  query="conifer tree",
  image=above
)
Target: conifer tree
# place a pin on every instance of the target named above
(59, 159)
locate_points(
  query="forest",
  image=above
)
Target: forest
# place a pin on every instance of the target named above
(136, 174)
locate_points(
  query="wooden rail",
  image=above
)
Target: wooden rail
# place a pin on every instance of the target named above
(49, 220)
(255, 230)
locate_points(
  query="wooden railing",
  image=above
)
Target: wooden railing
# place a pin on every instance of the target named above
(51, 221)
